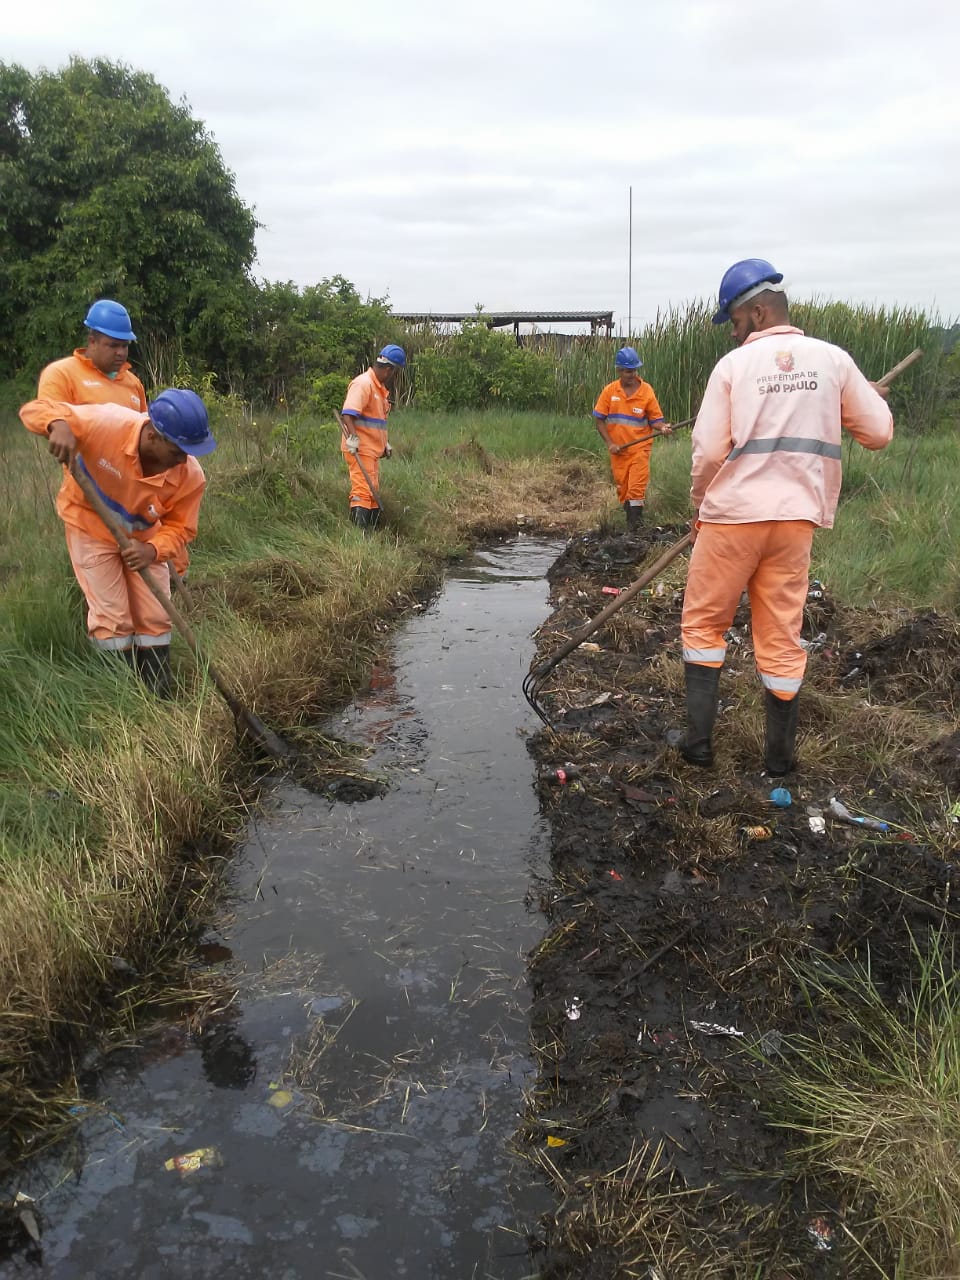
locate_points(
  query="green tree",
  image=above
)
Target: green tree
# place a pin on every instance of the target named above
(107, 188)
(306, 334)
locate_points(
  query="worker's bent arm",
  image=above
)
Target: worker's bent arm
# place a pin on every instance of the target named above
(864, 412)
(178, 527)
(605, 434)
(712, 437)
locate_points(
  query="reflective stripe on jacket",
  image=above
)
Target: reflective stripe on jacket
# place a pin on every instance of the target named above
(365, 408)
(628, 417)
(766, 445)
(161, 509)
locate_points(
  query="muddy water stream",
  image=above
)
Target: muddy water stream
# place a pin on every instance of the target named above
(354, 1103)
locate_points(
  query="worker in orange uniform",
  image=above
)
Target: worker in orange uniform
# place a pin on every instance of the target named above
(626, 411)
(144, 467)
(365, 411)
(766, 474)
(98, 373)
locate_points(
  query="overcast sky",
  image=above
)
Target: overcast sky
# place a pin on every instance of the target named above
(445, 154)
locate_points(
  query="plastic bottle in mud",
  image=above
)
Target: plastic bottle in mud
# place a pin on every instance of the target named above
(560, 776)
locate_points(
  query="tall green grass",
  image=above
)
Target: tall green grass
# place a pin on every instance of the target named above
(896, 540)
(101, 786)
(681, 346)
(874, 1095)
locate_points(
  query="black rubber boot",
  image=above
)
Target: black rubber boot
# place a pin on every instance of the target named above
(373, 518)
(781, 734)
(360, 517)
(634, 517)
(703, 694)
(153, 668)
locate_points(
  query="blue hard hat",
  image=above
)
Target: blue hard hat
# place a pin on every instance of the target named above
(741, 277)
(181, 417)
(107, 316)
(627, 358)
(394, 355)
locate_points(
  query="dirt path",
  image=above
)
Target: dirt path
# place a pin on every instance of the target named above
(682, 905)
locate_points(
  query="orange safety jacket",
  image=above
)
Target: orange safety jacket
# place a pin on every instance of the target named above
(630, 417)
(77, 380)
(766, 444)
(366, 407)
(161, 509)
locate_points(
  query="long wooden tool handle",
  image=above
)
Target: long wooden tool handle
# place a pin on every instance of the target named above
(676, 426)
(626, 594)
(363, 470)
(171, 610)
(897, 369)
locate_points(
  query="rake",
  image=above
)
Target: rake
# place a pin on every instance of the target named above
(536, 678)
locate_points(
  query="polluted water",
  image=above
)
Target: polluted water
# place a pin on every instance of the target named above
(344, 1106)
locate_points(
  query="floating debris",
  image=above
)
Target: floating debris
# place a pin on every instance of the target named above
(279, 1097)
(555, 1142)
(191, 1161)
(781, 797)
(573, 1008)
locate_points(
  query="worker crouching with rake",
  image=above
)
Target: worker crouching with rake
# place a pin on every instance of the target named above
(766, 474)
(139, 473)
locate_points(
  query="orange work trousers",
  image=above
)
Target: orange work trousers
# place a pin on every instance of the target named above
(631, 472)
(122, 613)
(360, 495)
(770, 560)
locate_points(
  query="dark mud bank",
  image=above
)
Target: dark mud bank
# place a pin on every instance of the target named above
(683, 905)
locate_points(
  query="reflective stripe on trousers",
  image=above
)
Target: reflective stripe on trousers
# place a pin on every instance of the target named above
(770, 559)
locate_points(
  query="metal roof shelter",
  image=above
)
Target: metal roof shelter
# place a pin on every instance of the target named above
(599, 321)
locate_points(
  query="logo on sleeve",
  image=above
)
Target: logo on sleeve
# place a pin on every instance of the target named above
(785, 361)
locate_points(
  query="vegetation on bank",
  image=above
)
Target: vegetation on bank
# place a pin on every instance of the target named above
(108, 795)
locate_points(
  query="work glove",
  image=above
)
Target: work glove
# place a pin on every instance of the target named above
(353, 444)
(388, 451)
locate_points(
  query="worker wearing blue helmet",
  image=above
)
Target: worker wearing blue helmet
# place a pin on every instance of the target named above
(627, 416)
(144, 468)
(365, 411)
(765, 474)
(97, 373)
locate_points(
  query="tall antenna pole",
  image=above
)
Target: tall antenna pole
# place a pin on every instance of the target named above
(630, 266)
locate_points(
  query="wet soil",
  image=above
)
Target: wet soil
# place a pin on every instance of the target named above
(683, 906)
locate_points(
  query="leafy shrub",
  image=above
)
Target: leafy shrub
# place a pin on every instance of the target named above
(477, 368)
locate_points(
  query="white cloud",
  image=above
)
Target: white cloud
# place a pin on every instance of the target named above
(447, 155)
